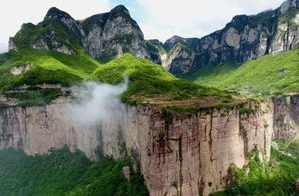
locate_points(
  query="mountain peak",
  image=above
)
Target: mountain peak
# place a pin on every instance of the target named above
(175, 39)
(54, 12)
(170, 43)
(120, 9)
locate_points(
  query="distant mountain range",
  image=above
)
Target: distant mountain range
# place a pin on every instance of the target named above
(108, 35)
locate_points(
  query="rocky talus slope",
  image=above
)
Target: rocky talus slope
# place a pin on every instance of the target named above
(178, 153)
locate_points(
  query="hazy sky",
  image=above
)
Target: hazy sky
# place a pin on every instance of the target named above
(157, 18)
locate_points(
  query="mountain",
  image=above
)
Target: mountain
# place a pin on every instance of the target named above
(168, 136)
(103, 36)
(108, 35)
(244, 38)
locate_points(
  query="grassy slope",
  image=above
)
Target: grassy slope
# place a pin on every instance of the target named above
(47, 67)
(276, 178)
(150, 80)
(147, 80)
(268, 75)
(62, 173)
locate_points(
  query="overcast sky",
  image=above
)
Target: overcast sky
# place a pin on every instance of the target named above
(157, 18)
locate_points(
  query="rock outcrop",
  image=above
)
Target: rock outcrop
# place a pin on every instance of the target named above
(178, 153)
(112, 34)
(244, 38)
(286, 117)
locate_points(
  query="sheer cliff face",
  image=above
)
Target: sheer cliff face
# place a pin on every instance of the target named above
(244, 38)
(286, 117)
(179, 154)
(192, 154)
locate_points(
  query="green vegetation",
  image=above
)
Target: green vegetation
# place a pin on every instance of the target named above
(34, 97)
(245, 110)
(50, 30)
(46, 67)
(276, 178)
(152, 45)
(266, 76)
(148, 80)
(62, 173)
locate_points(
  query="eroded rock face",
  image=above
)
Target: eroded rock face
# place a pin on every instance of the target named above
(286, 117)
(179, 60)
(179, 154)
(287, 5)
(192, 154)
(11, 44)
(63, 31)
(244, 38)
(20, 69)
(112, 34)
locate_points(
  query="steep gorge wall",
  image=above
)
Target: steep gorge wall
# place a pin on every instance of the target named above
(192, 154)
(286, 117)
(179, 154)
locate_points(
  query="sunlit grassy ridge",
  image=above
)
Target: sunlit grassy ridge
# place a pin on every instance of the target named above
(150, 80)
(268, 75)
(46, 67)
(146, 78)
(62, 173)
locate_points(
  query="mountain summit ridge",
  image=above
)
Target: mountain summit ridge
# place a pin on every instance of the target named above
(104, 36)
(111, 34)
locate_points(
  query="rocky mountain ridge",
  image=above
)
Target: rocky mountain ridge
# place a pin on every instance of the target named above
(108, 35)
(104, 36)
(244, 38)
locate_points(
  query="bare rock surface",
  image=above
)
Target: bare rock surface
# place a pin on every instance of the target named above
(244, 38)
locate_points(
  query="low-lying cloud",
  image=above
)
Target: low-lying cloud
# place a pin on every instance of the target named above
(97, 103)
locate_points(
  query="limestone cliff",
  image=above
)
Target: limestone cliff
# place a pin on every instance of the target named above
(286, 117)
(178, 153)
(244, 38)
(111, 34)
